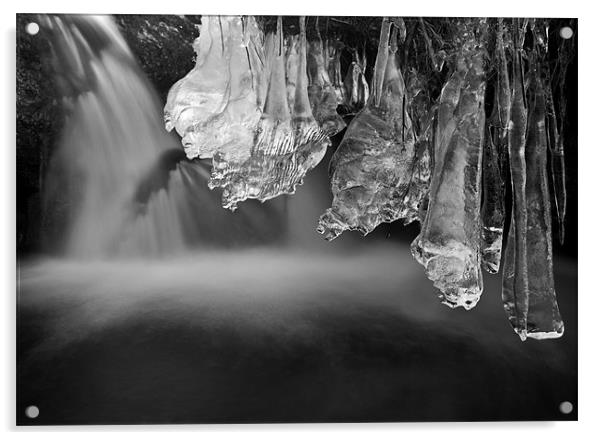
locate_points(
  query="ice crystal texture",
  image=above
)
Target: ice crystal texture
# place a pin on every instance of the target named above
(493, 213)
(355, 84)
(528, 289)
(288, 141)
(373, 168)
(322, 95)
(448, 245)
(215, 106)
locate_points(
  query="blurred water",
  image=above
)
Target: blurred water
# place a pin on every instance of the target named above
(121, 176)
(278, 335)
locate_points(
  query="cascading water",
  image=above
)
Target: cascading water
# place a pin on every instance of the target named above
(123, 178)
(112, 138)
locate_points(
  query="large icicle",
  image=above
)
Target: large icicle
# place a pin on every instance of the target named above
(448, 244)
(534, 315)
(558, 162)
(215, 106)
(372, 168)
(286, 146)
(515, 292)
(543, 317)
(493, 213)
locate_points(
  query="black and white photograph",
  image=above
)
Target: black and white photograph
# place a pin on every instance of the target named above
(258, 219)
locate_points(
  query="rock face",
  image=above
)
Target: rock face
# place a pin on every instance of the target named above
(373, 168)
(449, 243)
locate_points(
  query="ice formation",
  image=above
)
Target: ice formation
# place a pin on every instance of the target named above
(215, 106)
(528, 289)
(355, 84)
(332, 55)
(419, 149)
(322, 95)
(372, 170)
(493, 213)
(448, 245)
(288, 141)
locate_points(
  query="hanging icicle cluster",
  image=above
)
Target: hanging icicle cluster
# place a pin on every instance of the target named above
(249, 106)
(457, 121)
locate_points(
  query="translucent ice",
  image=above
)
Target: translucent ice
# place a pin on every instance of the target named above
(292, 68)
(516, 288)
(322, 95)
(531, 304)
(332, 53)
(355, 84)
(287, 145)
(493, 209)
(215, 106)
(448, 243)
(373, 168)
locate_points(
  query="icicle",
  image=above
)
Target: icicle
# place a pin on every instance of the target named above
(321, 93)
(274, 134)
(558, 165)
(543, 316)
(381, 61)
(195, 100)
(333, 55)
(448, 244)
(515, 286)
(292, 62)
(276, 167)
(355, 85)
(493, 209)
(310, 140)
(528, 291)
(373, 166)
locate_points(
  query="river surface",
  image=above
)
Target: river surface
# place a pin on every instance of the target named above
(272, 335)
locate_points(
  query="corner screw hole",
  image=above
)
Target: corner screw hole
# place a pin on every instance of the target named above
(566, 407)
(566, 32)
(32, 411)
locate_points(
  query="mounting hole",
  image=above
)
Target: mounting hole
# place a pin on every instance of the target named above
(566, 407)
(32, 411)
(566, 32)
(32, 28)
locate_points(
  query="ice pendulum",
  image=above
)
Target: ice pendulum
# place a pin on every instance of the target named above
(515, 292)
(558, 162)
(448, 243)
(194, 101)
(288, 141)
(493, 209)
(372, 169)
(543, 317)
(311, 140)
(536, 315)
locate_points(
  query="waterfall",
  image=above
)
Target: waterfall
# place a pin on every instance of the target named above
(124, 181)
